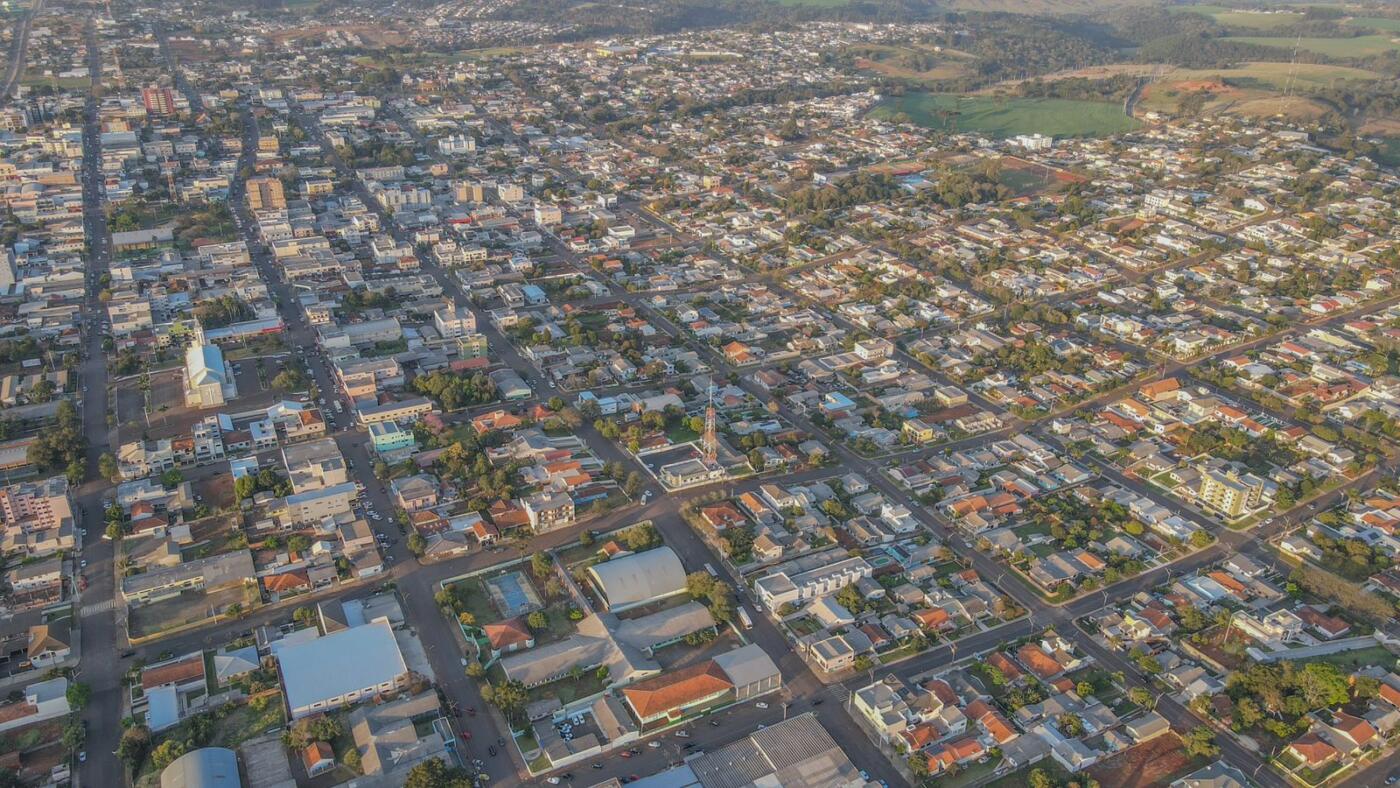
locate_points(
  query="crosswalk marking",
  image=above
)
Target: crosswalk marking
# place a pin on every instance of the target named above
(97, 607)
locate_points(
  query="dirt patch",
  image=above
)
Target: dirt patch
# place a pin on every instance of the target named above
(216, 490)
(1153, 763)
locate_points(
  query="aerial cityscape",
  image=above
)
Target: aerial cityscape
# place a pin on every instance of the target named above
(784, 393)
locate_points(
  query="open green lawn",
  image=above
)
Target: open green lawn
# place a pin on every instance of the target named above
(1361, 46)
(1375, 23)
(1360, 658)
(1007, 117)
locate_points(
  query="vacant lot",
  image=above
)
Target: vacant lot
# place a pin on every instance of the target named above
(1250, 89)
(1007, 117)
(1362, 46)
(1153, 763)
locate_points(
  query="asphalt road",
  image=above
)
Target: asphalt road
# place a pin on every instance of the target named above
(100, 667)
(19, 50)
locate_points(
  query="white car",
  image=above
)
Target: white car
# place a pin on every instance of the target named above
(654, 744)
(761, 705)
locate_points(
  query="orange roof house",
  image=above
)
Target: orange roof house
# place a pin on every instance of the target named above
(933, 618)
(1004, 664)
(671, 694)
(1353, 728)
(959, 751)
(509, 635)
(285, 582)
(1312, 750)
(184, 671)
(1161, 389)
(1038, 662)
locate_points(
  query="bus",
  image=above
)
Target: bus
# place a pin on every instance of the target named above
(744, 617)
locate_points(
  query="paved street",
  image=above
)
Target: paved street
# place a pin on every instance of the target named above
(101, 669)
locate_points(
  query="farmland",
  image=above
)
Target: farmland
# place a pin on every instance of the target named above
(1007, 117)
(1361, 46)
(1248, 20)
(1375, 23)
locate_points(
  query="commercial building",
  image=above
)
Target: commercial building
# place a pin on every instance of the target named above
(266, 194)
(778, 589)
(314, 465)
(325, 673)
(794, 753)
(549, 510)
(208, 574)
(404, 412)
(317, 504)
(391, 441)
(1230, 493)
(208, 383)
(207, 767)
(638, 579)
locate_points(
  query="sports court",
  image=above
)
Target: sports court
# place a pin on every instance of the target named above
(513, 595)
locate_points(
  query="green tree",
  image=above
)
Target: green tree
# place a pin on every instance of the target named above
(1200, 742)
(290, 379)
(510, 697)
(417, 544)
(434, 773)
(1140, 696)
(78, 695)
(74, 735)
(167, 752)
(537, 620)
(108, 468)
(131, 748)
(541, 565)
(172, 478)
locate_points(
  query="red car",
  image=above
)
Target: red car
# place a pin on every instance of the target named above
(466, 735)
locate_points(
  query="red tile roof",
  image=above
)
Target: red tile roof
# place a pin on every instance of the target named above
(177, 673)
(676, 689)
(505, 634)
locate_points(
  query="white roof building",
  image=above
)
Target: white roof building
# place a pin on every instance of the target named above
(639, 578)
(343, 667)
(208, 384)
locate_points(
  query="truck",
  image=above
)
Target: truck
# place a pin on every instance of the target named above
(744, 617)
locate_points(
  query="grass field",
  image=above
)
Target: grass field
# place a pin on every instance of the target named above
(1361, 46)
(1261, 74)
(1375, 23)
(1247, 20)
(997, 117)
